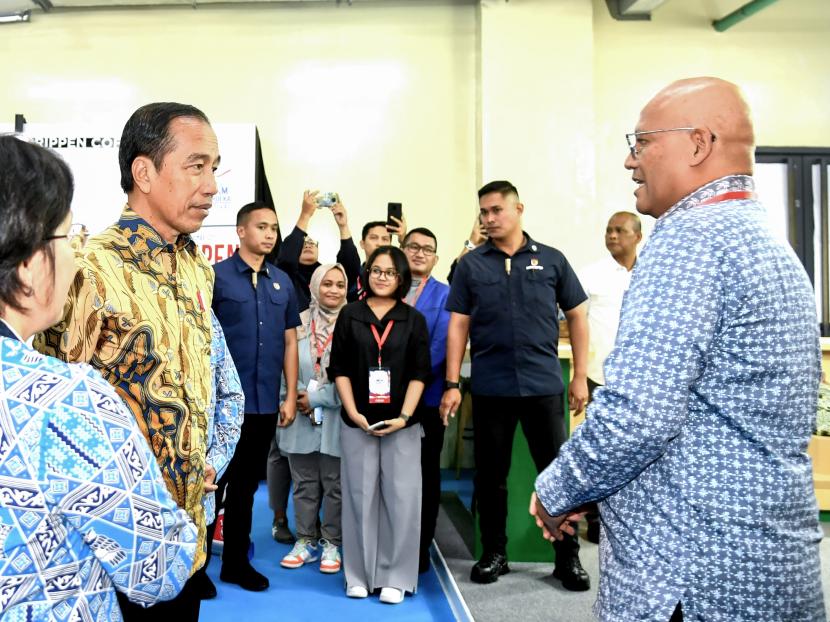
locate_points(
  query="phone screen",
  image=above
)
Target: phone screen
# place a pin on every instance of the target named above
(393, 209)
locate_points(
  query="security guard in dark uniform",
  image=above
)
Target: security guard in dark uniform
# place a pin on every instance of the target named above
(505, 295)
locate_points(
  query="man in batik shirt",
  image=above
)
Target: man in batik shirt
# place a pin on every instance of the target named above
(139, 309)
(696, 446)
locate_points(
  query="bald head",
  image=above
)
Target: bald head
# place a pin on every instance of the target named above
(711, 136)
(718, 106)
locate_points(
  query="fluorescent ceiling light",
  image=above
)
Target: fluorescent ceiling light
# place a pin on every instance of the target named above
(10, 18)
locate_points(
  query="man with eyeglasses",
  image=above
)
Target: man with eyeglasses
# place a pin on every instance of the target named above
(429, 296)
(696, 445)
(298, 252)
(506, 295)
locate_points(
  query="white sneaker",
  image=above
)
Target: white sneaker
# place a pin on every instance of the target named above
(357, 591)
(304, 551)
(391, 596)
(330, 561)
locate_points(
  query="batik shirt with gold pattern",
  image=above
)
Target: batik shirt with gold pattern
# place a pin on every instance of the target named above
(139, 312)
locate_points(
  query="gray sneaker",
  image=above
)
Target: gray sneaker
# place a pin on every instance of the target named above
(280, 531)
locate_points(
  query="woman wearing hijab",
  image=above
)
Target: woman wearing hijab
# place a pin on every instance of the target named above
(312, 442)
(380, 361)
(83, 509)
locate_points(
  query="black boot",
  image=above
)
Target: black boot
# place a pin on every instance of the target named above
(489, 568)
(570, 572)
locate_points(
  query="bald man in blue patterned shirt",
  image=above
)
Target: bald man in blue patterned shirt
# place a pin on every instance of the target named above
(696, 446)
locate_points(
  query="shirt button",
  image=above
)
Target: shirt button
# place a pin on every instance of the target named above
(260, 323)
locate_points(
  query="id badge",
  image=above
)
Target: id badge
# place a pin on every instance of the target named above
(380, 385)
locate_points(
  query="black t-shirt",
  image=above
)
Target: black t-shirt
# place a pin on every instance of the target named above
(405, 353)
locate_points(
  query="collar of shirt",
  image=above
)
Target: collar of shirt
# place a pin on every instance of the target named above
(730, 183)
(145, 241)
(530, 246)
(399, 313)
(244, 267)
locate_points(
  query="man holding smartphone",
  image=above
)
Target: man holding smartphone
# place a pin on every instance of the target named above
(298, 253)
(505, 296)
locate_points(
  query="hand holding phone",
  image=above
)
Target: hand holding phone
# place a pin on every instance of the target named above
(394, 219)
(380, 425)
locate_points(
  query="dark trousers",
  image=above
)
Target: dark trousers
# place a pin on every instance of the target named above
(494, 423)
(239, 485)
(431, 444)
(183, 608)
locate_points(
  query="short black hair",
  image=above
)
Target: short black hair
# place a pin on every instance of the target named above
(401, 267)
(371, 225)
(636, 224)
(242, 214)
(423, 231)
(36, 188)
(502, 187)
(147, 133)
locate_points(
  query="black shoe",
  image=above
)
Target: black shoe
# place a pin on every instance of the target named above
(205, 589)
(245, 577)
(572, 575)
(592, 534)
(489, 568)
(280, 531)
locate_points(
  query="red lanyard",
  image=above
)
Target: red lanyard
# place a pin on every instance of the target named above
(411, 301)
(320, 350)
(381, 340)
(729, 196)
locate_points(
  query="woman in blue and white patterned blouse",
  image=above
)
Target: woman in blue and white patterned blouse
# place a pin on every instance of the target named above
(83, 509)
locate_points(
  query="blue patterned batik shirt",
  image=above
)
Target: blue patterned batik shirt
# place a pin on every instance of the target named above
(83, 508)
(224, 413)
(697, 444)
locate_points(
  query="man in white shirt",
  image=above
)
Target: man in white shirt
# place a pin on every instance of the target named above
(605, 282)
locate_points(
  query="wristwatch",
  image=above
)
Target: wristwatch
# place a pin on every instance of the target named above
(405, 417)
(448, 384)
(469, 245)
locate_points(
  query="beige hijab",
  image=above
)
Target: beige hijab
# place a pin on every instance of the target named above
(323, 318)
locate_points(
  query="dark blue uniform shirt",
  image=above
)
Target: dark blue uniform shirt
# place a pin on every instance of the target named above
(255, 322)
(514, 320)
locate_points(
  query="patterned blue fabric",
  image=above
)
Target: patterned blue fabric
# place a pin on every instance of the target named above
(224, 413)
(83, 508)
(697, 443)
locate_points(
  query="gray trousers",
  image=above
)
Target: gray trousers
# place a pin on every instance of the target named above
(381, 481)
(278, 475)
(316, 479)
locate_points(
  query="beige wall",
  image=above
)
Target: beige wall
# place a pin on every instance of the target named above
(421, 101)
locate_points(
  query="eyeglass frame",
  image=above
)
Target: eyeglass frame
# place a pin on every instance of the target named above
(631, 138)
(307, 241)
(376, 272)
(428, 251)
(49, 238)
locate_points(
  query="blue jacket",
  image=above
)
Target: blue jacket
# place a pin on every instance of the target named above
(432, 304)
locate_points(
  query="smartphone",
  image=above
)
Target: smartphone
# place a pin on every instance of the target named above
(378, 426)
(393, 209)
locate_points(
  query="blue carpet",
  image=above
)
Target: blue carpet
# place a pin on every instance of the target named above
(306, 593)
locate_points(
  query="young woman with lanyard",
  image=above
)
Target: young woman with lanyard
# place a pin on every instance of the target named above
(379, 362)
(312, 442)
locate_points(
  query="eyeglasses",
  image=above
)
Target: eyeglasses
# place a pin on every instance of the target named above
(413, 248)
(309, 242)
(49, 238)
(632, 138)
(389, 274)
